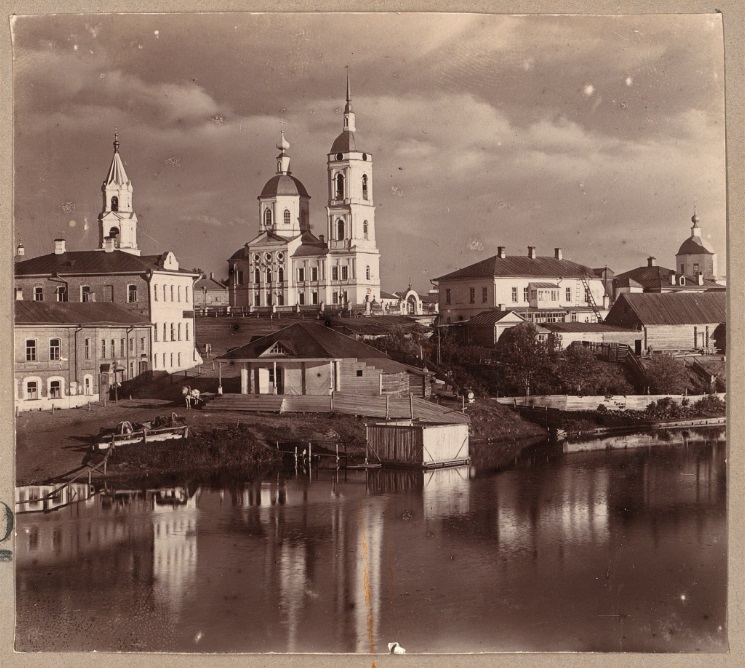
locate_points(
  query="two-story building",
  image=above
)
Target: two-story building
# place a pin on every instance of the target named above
(541, 289)
(69, 354)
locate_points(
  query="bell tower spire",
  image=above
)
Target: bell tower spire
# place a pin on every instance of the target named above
(117, 220)
(348, 113)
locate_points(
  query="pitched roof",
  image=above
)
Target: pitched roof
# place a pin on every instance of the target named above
(75, 313)
(583, 327)
(695, 245)
(284, 184)
(91, 262)
(116, 174)
(307, 340)
(491, 317)
(209, 284)
(310, 246)
(388, 295)
(669, 308)
(538, 267)
(659, 277)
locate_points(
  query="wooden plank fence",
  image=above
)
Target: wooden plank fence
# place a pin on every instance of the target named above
(564, 402)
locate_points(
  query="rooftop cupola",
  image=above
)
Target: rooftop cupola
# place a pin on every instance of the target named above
(695, 229)
(348, 113)
(283, 160)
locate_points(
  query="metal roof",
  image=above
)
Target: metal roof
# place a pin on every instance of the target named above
(284, 184)
(346, 142)
(696, 246)
(668, 308)
(209, 284)
(490, 318)
(76, 313)
(543, 285)
(92, 262)
(308, 340)
(659, 277)
(538, 267)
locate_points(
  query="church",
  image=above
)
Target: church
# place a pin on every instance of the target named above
(286, 267)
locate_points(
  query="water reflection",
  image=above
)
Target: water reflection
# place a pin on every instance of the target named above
(563, 551)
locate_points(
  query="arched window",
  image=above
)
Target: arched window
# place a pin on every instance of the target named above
(257, 275)
(281, 274)
(340, 186)
(268, 217)
(115, 203)
(87, 385)
(339, 229)
(364, 186)
(367, 272)
(268, 275)
(287, 216)
(172, 299)
(364, 229)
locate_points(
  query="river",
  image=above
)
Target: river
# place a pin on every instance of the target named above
(566, 549)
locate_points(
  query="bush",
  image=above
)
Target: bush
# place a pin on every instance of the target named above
(602, 408)
(710, 406)
(665, 375)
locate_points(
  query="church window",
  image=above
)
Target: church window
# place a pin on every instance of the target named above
(38, 294)
(85, 293)
(61, 293)
(364, 229)
(340, 186)
(344, 273)
(364, 156)
(484, 295)
(364, 186)
(471, 295)
(268, 217)
(314, 297)
(172, 293)
(301, 298)
(257, 276)
(447, 295)
(30, 350)
(334, 273)
(103, 347)
(87, 353)
(131, 293)
(257, 299)
(367, 272)
(179, 331)
(178, 293)
(339, 156)
(300, 274)
(281, 275)
(514, 295)
(280, 299)
(314, 273)
(339, 229)
(173, 331)
(115, 203)
(287, 216)
(268, 275)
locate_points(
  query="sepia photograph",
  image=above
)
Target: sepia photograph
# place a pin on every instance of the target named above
(370, 333)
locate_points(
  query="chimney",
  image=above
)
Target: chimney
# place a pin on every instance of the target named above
(700, 278)
(651, 261)
(502, 308)
(531, 252)
(501, 252)
(59, 246)
(672, 278)
(108, 244)
(20, 252)
(321, 237)
(557, 253)
(212, 276)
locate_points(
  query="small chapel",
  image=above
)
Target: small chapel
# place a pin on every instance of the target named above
(288, 267)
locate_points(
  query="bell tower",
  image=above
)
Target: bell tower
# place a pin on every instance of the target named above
(350, 213)
(117, 219)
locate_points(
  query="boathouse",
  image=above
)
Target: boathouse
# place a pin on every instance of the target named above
(412, 444)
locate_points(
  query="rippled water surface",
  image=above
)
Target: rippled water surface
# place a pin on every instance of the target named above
(567, 549)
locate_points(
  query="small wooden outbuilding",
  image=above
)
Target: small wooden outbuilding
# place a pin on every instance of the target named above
(412, 444)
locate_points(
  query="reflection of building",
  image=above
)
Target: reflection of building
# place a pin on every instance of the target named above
(67, 355)
(286, 267)
(151, 286)
(542, 289)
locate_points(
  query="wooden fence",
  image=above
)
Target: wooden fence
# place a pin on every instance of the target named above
(564, 402)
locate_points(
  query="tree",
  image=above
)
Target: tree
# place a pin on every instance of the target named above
(720, 338)
(665, 375)
(522, 356)
(577, 369)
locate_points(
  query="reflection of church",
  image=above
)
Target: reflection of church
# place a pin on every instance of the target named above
(287, 267)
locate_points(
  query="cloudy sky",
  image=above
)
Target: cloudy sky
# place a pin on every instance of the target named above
(595, 134)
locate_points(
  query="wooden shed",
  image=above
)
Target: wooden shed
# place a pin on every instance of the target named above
(414, 444)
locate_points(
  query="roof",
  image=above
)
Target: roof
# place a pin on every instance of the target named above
(306, 340)
(626, 282)
(539, 267)
(208, 283)
(116, 174)
(346, 142)
(669, 308)
(310, 245)
(75, 313)
(659, 277)
(583, 327)
(490, 317)
(543, 285)
(284, 184)
(695, 245)
(91, 262)
(388, 295)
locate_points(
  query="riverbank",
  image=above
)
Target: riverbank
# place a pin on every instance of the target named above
(50, 446)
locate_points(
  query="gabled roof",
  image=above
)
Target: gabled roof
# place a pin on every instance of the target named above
(75, 313)
(668, 308)
(626, 282)
(659, 277)
(92, 262)
(388, 295)
(309, 340)
(538, 267)
(491, 318)
(209, 284)
(284, 184)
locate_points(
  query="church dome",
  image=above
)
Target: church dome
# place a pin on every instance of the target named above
(346, 142)
(696, 246)
(283, 184)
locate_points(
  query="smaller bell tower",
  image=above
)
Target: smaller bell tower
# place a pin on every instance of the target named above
(117, 219)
